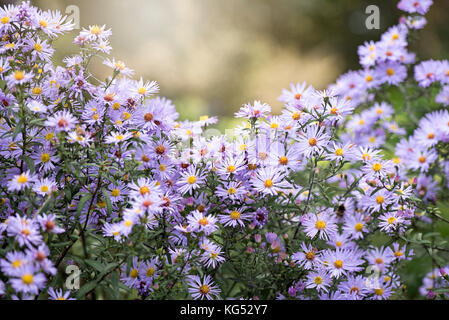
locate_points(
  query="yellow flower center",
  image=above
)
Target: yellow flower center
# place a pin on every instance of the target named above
(27, 279)
(339, 152)
(320, 225)
(283, 160)
(191, 180)
(358, 227)
(38, 47)
(338, 264)
(96, 30)
(204, 289)
(203, 221)
(230, 169)
(391, 220)
(377, 167)
(310, 255)
(16, 263)
(312, 142)
(268, 183)
(379, 291)
(150, 271)
(234, 215)
(296, 116)
(115, 192)
(232, 191)
(45, 157)
(22, 179)
(49, 136)
(5, 20)
(318, 280)
(134, 273)
(36, 90)
(143, 190)
(390, 72)
(19, 75)
(380, 199)
(45, 189)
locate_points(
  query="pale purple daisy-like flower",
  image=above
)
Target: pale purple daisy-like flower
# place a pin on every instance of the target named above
(61, 121)
(190, 180)
(146, 89)
(44, 186)
(18, 77)
(399, 253)
(130, 277)
(340, 262)
(118, 137)
(297, 94)
(339, 153)
(48, 223)
(211, 257)
(26, 232)
(354, 288)
(28, 280)
(234, 217)
(355, 226)
(269, 181)
(13, 261)
(319, 280)
(118, 66)
(21, 181)
(390, 221)
(232, 190)
(321, 224)
(307, 258)
(443, 96)
(415, 6)
(202, 288)
(58, 294)
(313, 141)
(428, 72)
(255, 110)
(391, 72)
(201, 222)
(379, 258)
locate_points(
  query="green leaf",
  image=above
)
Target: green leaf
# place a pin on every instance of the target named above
(30, 163)
(95, 264)
(85, 289)
(17, 129)
(82, 203)
(108, 201)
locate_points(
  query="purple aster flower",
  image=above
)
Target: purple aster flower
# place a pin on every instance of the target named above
(202, 288)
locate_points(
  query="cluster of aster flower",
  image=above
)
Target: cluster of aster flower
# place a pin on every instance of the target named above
(434, 281)
(419, 153)
(103, 175)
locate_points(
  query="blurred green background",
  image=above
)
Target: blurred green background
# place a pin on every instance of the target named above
(210, 57)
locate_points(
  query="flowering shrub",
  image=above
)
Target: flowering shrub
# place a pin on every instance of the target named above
(325, 201)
